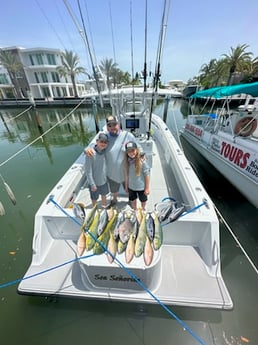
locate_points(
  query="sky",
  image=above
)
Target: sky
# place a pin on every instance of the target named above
(196, 32)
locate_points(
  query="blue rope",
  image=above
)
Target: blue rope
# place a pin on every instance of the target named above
(131, 274)
(204, 203)
(13, 282)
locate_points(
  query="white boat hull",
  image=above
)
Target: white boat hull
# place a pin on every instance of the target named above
(241, 170)
(185, 271)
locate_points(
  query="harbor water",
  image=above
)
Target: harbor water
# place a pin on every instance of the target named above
(31, 163)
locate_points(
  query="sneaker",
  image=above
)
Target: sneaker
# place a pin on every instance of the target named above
(113, 202)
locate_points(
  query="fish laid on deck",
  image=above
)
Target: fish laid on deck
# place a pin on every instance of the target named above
(121, 231)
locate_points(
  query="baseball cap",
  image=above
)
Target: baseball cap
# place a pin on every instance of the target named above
(130, 145)
(103, 137)
(111, 120)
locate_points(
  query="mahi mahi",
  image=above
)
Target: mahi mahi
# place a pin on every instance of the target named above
(103, 220)
(141, 237)
(158, 236)
(90, 216)
(102, 242)
(91, 235)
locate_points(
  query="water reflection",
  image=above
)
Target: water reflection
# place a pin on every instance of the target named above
(33, 173)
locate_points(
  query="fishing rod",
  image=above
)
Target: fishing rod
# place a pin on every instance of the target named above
(132, 57)
(85, 39)
(145, 52)
(159, 56)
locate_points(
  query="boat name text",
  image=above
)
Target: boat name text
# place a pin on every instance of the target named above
(195, 130)
(234, 154)
(114, 277)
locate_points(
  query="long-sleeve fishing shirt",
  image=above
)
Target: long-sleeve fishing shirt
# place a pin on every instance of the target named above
(115, 154)
(96, 168)
(137, 183)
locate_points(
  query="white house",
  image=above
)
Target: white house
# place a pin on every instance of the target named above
(39, 76)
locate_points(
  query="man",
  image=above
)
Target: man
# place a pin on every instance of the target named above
(115, 154)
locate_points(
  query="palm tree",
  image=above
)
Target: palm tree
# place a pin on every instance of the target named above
(251, 71)
(236, 60)
(207, 73)
(70, 68)
(108, 67)
(213, 73)
(13, 66)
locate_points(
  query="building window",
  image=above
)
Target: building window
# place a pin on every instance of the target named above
(46, 92)
(31, 59)
(3, 78)
(39, 59)
(55, 77)
(64, 91)
(71, 91)
(51, 59)
(36, 77)
(58, 92)
(44, 77)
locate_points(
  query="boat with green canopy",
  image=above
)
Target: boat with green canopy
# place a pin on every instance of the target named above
(228, 138)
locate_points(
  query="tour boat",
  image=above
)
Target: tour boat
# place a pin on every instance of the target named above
(228, 138)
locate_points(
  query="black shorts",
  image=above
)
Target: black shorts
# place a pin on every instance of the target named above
(133, 194)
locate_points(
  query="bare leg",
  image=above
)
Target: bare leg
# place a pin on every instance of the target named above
(93, 202)
(143, 205)
(104, 200)
(115, 195)
(134, 204)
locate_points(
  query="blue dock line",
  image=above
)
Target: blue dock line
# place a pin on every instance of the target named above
(129, 272)
(132, 275)
(13, 282)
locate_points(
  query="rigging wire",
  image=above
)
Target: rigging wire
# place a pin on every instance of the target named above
(44, 14)
(237, 241)
(91, 36)
(65, 27)
(84, 36)
(16, 116)
(112, 32)
(43, 134)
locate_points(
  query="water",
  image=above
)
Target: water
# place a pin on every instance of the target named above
(36, 320)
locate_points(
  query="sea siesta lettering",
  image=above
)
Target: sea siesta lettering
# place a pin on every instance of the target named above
(234, 154)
